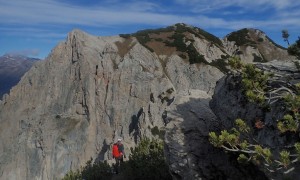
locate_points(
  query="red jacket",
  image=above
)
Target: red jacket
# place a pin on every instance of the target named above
(115, 151)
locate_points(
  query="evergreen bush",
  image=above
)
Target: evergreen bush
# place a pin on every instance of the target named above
(91, 171)
(147, 162)
(241, 139)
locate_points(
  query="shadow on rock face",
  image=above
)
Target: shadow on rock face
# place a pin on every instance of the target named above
(188, 151)
(134, 125)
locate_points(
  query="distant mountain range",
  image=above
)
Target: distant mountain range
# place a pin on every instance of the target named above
(12, 68)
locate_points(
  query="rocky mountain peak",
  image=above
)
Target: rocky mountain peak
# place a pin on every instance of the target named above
(253, 45)
(251, 37)
(76, 33)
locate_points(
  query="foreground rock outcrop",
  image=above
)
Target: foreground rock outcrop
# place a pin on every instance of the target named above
(189, 153)
(229, 103)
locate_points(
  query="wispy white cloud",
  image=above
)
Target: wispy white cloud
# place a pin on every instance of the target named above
(203, 13)
(53, 12)
(243, 4)
(136, 12)
(31, 32)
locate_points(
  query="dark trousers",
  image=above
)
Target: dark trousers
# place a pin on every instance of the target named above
(119, 162)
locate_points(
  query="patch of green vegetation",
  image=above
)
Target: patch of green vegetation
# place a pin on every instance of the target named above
(159, 39)
(153, 31)
(179, 42)
(241, 38)
(181, 28)
(143, 36)
(260, 40)
(146, 32)
(294, 49)
(147, 162)
(150, 49)
(96, 170)
(221, 64)
(143, 39)
(183, 56)
(225, 56)
(156, 132)
(125, 35)
(194, 56)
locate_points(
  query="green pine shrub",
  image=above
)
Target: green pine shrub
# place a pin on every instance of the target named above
(240, 138)
(91, 171)
(73, 175)
(241, 38)
(147, 162)
(294, 49)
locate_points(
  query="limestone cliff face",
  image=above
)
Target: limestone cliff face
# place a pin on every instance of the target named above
(88, 92)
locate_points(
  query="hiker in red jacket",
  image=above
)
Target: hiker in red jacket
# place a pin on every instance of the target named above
(118, 154)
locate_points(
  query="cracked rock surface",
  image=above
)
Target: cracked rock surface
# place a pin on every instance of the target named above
(189, 153)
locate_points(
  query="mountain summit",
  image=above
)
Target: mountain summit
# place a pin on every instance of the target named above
(91, 90)
(199, 46)
(255, 43)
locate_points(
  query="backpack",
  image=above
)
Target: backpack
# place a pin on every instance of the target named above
(115, 151)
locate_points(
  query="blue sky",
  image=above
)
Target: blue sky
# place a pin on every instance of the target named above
(34, 27)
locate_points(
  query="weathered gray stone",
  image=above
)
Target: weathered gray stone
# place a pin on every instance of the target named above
(229, 103)
(188, 150)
